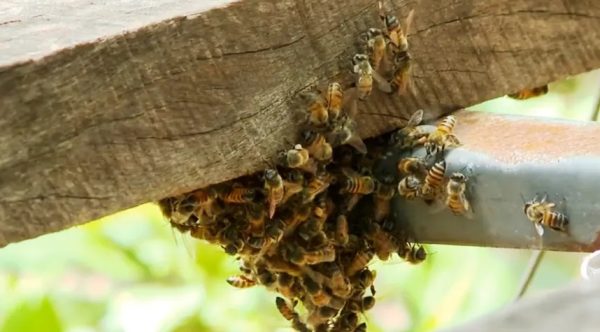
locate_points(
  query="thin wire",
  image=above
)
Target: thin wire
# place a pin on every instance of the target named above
(534, 262)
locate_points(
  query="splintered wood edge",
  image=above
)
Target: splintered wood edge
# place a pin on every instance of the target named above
(191, 101)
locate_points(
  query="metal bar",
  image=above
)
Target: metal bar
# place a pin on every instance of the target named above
(510, 156)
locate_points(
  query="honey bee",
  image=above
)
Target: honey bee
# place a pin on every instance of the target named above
(334, 98)
(412, 253)
(274, 188)
(530, 93)
(383, 194)
(286, 310)
(383, 242)
(442, 137)
(364, 280)
(362, 327)
(341, 231)
(456, 199)
(346, 321)
(317, 185)
(412, 166)
(364, 77)
(409, 187)
(401, 80)
(241, 281)
(205, 198)
(411, 134)
(360, 260)
(541, 213)
(317, 110)
(292, 184)
(434, 182)
(294, 158)
(353, 183)
(345, 131)
(376, 45)
(317, 294)
(178, 209)
(317, 145)
(326, 254)
(238, 195)
(395, 32)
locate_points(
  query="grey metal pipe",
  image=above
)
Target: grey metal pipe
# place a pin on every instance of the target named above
(510, 156)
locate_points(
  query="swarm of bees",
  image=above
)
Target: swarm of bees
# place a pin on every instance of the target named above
(308, 226)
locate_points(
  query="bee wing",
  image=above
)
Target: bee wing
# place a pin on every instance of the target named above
(382, 83)
(452, 140)
(408, 21)
(415, 118)
(539, 229)
(356, 142)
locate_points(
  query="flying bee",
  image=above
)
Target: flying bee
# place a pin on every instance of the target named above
(317, 145)
(353, 183)
(456, 200)
(334, 99)
(274, 188)
(412, 166)
(541, 213)
(241, 281)
(394, 30)
(442, 137)
(412, 253)
(345, 131)
(434, 182)
(360, 260)
(409, 187)
(530, 93)
(317, 110)
(238, 195)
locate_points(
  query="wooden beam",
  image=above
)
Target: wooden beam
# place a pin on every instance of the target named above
(94, 121)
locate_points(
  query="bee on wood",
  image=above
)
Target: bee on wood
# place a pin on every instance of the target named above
(345, 131)
(334, 99)
(541, 213)
(317, 145)
(364, 75)
(401, 79)
(456, 199)
(409, 187)
(377, 48)
(442, 137)
(241, 281)
(317, 110)
(398, 35)
(274, 188)
(530, 93)
(434, 182)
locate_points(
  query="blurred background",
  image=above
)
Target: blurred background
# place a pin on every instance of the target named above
(131, 272)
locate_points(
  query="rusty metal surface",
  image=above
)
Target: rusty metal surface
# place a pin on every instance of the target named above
(510, 156)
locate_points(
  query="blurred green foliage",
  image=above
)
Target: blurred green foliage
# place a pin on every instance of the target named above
(131, 272)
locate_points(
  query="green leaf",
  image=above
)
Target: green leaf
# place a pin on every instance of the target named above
(33, 317)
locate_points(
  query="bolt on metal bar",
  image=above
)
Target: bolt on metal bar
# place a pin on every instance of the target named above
(508, 158)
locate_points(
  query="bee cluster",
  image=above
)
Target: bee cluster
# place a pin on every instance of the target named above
(308, 226)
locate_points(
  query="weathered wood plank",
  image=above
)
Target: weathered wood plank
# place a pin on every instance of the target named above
(205, 97)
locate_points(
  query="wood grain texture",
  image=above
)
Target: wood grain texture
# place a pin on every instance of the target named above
(208, 96)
